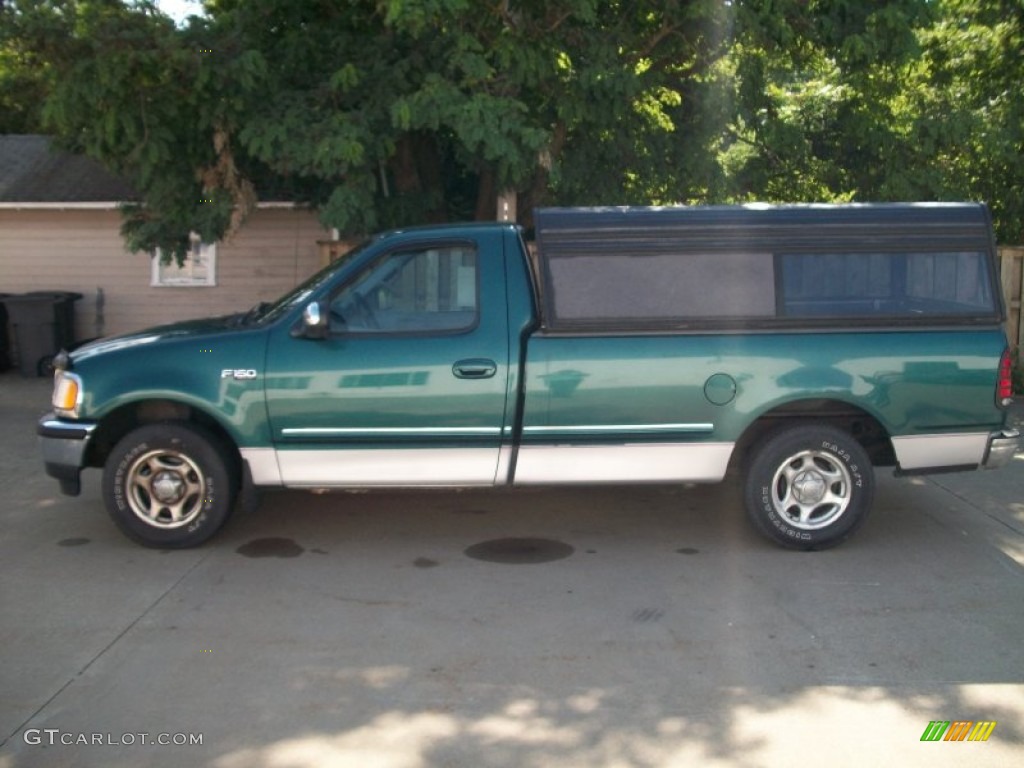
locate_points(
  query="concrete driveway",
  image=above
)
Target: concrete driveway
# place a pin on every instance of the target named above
(591, 627)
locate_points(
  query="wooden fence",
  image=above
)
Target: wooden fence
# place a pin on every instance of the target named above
(1011, 262)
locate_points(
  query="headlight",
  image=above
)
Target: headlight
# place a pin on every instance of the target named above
(67, 394)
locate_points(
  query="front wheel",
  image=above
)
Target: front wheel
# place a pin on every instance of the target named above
(809, 487)
(169, 485)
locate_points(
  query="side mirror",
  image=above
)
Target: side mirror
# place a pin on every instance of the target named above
(314, 321)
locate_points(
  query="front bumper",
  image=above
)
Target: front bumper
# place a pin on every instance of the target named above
(1002, 446)
(63, 444)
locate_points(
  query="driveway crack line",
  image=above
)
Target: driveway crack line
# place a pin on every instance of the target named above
(974, 506)
(103, 651)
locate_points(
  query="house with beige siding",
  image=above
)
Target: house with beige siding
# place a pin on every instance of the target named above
(60, 230)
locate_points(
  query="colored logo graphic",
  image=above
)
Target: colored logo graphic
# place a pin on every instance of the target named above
(958, 730)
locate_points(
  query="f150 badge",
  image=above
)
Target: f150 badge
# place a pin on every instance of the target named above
(238, 373)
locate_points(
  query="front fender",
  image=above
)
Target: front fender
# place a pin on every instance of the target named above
(223, 377)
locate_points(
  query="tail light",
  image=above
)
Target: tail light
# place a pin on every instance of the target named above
(1004, 385)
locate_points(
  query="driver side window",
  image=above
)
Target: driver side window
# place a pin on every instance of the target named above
(423, 290)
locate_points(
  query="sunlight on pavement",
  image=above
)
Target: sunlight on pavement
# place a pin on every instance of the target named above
(836, 725)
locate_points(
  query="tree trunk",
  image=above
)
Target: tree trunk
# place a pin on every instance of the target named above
(486, 196)
(403, 166)
(538, 191)
(428, 163)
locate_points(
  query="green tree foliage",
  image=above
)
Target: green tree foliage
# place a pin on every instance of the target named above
(387, 112)
(815, 88)
(965, 104)
(125, 86)
(21, 88)
(906, 100)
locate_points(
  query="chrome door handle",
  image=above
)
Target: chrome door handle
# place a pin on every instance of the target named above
(475, 368)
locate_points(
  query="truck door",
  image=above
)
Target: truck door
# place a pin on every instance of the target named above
(409, 388)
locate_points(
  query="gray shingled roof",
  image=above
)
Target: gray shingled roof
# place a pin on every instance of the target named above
(31, 171)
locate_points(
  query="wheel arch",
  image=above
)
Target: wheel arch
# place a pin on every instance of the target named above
(137, 413)
(865, 428)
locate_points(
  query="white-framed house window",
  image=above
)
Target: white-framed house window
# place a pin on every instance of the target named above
(198, 269)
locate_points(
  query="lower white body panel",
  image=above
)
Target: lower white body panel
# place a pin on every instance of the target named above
(554, 464)
(534, 465)
(385, 467)
(631, 463)
(937, 451)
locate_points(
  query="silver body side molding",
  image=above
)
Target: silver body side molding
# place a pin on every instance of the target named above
(621, 429)
(389, 431)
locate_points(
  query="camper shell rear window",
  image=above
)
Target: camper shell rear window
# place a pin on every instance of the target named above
(767, 267)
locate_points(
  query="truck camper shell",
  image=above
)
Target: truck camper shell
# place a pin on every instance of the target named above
(760, 266)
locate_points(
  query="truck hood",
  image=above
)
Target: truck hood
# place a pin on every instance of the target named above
(186, 329)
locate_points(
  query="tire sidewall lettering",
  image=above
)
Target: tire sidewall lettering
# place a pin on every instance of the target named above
(847, 459)
(120, 485)
(209, 500)
(196, 524)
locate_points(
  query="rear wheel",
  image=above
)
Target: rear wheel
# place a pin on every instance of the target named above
(809, 487)
(169, 485)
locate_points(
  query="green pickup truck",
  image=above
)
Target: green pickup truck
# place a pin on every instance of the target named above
(801, 345)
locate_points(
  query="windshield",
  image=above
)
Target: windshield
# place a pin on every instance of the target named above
(300, 294)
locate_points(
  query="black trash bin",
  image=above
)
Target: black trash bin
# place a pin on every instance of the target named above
(5, 344)
(42, 323)
(33, 320)
(63, 315)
